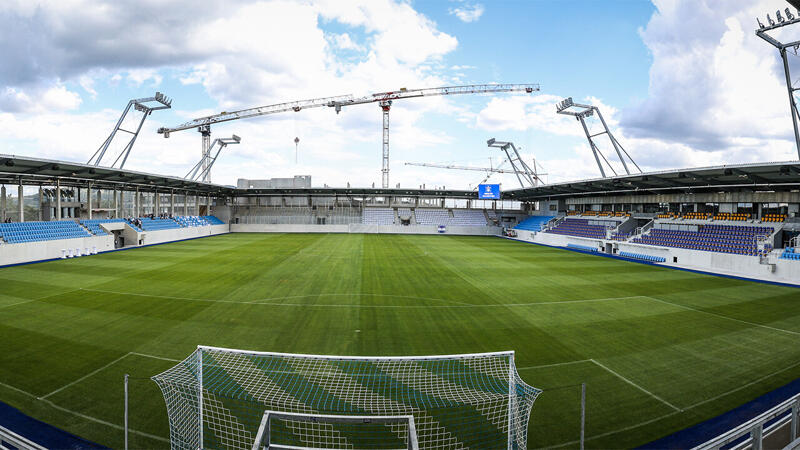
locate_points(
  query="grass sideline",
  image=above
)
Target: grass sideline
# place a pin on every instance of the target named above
(659, 349)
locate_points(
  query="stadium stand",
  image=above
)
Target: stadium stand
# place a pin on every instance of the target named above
(585, 248)
(468, 217)
(378, 216)
(773, 218)
(621, 236)
(94, 225)
(430, 216)
(590, 213)
(643, 257)
(533, 223)
(573, 213)
(697, 216)
(213, 220)
(192, 221)
(740, 240)
(149, 224)
(404, 213)
(668, 215)
(19, 233)
(738, 217)
(579, 227)
(790, 253)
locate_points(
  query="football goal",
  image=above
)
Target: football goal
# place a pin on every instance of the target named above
(225, 398)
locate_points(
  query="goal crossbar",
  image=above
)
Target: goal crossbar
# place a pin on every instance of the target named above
(264, 427)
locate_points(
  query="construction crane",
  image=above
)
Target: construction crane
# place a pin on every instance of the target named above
(203, 124)
(526, 176)
(384, 100)
(143, 105)
(205, 163)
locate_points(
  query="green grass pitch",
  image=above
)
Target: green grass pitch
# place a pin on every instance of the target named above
(659, 349)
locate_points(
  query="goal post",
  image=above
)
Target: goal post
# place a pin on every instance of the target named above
(320, 431)
(220, 398)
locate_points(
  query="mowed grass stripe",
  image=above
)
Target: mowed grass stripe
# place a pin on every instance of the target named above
(398, 295)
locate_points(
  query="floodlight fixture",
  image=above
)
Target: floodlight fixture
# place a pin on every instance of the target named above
(760, 25)
(789, 14)
(771, 22)
(779, 16)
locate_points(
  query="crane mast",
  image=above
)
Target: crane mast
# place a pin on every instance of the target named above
(384, 100)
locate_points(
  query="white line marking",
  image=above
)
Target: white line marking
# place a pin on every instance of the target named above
(637, 386)
(305, 305)
(155, 357)
(84, 416)
(85, 376)
(18, 303)
(555, 364)
(722, 317)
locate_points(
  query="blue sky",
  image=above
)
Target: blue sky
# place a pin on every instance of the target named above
(682, 83)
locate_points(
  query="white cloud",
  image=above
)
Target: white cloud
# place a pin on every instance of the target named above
(468, 13)
(138, 76)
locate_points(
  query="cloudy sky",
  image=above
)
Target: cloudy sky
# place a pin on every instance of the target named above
(681, 82)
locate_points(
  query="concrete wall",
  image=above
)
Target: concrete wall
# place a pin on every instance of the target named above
(38, 251)
(44, 250)
(785, 271)
(361, 228)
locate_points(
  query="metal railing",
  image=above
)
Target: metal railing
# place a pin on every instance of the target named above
(751, 434)
(10, 440)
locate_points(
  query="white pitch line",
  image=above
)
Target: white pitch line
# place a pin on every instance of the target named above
(460, 305)
(637, 386)
(721, 316)
(85, 376)
(555, 364)
(83, 416)
(18, 303)
(145, 355)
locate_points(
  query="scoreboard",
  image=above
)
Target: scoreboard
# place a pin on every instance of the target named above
(489, 192)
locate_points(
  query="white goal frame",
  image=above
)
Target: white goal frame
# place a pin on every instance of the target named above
(264, 429)
(187, 391)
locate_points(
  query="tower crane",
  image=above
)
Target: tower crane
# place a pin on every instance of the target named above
(384, 100)
(526, 176)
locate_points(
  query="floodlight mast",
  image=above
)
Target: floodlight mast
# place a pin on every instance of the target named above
(142, 105)
(206, 163)
(782, 48)
(525, 175)
(581, 112)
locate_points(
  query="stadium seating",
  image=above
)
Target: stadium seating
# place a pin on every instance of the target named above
(468, 218)
(740, 240)
(738, 217)
(773, 218)
(573, 213)
(621, 236)
(533, 223)
(149, 224)
(667, 215)
(579, 227)
(192, 221)
(213, 220)
(584, 248)
(94, 225)
(378, 216)
(643, 257)
(696, 216)
(18, 233)
(404, 212)
(430, 216)
(790, 253)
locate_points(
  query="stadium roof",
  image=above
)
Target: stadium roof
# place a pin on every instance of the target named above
(34, 171)
(777, 176)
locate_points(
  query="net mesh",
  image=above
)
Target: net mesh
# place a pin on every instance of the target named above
(216, 399)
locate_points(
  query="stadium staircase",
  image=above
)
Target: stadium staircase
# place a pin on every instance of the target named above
(93, 226)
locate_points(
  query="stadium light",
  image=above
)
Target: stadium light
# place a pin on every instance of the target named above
(771, 22)
(760, 25)
(789, 14)
(779, 16)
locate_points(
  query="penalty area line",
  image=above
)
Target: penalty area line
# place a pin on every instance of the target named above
(637, 386)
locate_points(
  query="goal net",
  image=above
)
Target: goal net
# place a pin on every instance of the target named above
(219, 398)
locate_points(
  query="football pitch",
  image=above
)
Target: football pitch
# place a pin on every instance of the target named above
(659, 349)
